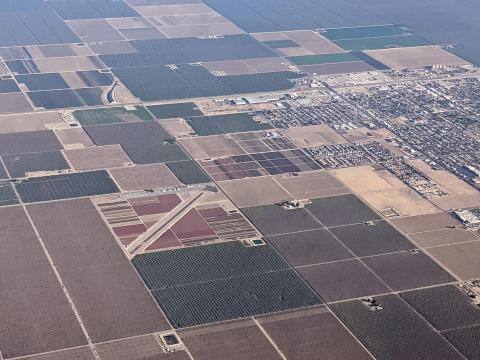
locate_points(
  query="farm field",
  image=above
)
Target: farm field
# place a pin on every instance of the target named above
(238, 339)
(389, 333)
(289, 329)
(239, 180)
(245, 275)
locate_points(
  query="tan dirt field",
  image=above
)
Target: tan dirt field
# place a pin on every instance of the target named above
(434, 229)
(14, 103)
(270, 36)
(182, 9)
(139, 178)
(74, 138)
(462, 259)
(254, 191)
(315, 135)
(177, 127)
(364, 134)
(30, 122)
(415, 57)
(423, 223)
(268, 64)
(461, 195)
(78, 63)
(211, 147)
(383, 190)
(232, 67)
(314, 42)
(312, 185)
(99, 157)
(443, 237)
(129, 23)
(200, 30)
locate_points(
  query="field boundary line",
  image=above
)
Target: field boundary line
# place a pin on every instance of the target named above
(270, 340)
(62, 285)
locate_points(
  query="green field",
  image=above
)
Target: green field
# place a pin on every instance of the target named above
(382, 42)
(364, 32)
(169, 111)
(104, 116)
(322, 59)
(225, 124)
